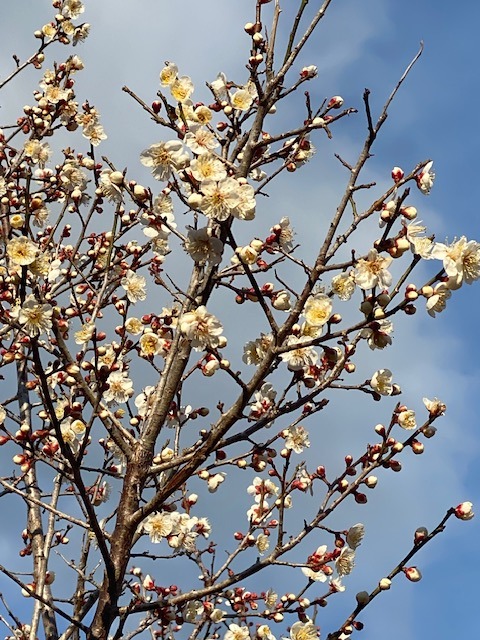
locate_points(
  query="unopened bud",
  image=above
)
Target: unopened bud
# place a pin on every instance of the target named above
(413, 574)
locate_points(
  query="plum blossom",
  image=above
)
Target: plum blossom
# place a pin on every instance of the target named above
(378, 333)
(213, 482)
(203, 329)
(318, 310)
(406, 419)
(207, 167)
(264, 401)
(355, 535)
(241, 99)
(219, 85)
(461, 259)
(34, 316)
(158, 525)
(72, 8)
(165, 157)
(168, 74)
(181, 88)
(219, 199)
(303, 631)
(262, 488)
(200, 140)
(38, 152)
(372, 271)
(425, 178)
(345, 561)
(22, 251)
(255, 350)
(381, 382)
(235, 632)
(437, 302)
(435, 407)
(298, 357)
(343, 285)
(296, 438)
(135, 286)
(464, 511)
(120, 387)
(284, 234)
(420, 245)
(203, 247)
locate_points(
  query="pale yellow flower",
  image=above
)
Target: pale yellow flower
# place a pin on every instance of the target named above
(22, 251)
(35, 317)
(181, 88)
(318, 310)
(168, 74)
(203, 329)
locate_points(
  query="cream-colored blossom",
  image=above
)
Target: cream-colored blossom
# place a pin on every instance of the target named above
(80, 34)
(203, 329)
(378, 333)
(181, 88)
(297, 356)
(72, 8)
(343, 285)
(284, 234)
(235, 632)
(435, 407)
(134, 326)
(85, 333)
(262, 543)
(220, 198)
(95, 134)
(219, 85)
(203, 247)
(38, 152)
(318, 310)
(158, 525)
(345, 561)
(200, 140)
(355, 535)
(381, 382)
(425, 178)
(165, 157)
(34, 316)
(303, 631)
(207, 167)
(461, 259)
(245, 209)
(22, 251)
(202, 114)
(255, 350)
(168, 74)
(135, 286)
(437, 302)
(120, 387)
(110, 188)
(372, 271)
(296, 438)
(241, 99)
(406, 419)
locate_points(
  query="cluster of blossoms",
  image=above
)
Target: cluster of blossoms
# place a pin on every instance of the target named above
(209, 186)
(57, 293)
(319, 564)
(180, 530)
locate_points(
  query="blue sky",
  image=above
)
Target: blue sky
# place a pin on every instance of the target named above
(360, 45)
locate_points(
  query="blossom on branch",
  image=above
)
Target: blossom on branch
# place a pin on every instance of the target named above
(372, 271)
(165, 157)
(203, 329)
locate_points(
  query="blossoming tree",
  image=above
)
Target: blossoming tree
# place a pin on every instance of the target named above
(106, 342)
